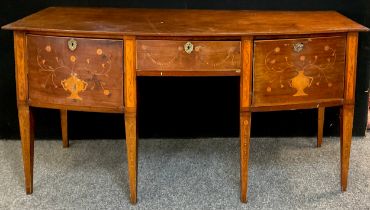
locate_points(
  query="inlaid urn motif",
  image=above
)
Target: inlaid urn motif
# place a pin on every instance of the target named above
(90, 73)
(299, 68)
(74, 85)
(300, 82)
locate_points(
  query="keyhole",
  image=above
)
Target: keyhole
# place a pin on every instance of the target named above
(72, 44)
(188, 47)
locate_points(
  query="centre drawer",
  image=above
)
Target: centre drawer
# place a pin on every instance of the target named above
(169, 55)
(75, 72)
(303, 70)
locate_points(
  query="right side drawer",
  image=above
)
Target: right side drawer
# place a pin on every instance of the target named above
(293, 71)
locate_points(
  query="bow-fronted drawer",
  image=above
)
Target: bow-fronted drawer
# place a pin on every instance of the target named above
(288, 71)
(171, 55)
(75, 72)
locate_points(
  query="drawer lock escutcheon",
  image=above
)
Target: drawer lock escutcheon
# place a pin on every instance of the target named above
(188, 47)
(298, 47)
(72, 44)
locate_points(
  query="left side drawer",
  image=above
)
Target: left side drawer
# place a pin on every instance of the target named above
(75, 72)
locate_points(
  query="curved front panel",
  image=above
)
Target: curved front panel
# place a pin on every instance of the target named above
(305, 70)
(171, 55)
(75, 72)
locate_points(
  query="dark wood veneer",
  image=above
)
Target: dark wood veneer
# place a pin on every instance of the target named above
(96, 63)
(283, 75)
(169, 55)
(176, 22)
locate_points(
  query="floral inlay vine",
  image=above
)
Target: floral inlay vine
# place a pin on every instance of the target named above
(295, 73)
(229, 55)
(157, 61)
(74, 84)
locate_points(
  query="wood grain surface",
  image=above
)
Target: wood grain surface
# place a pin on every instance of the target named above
(351, 65)
(64, 126)
(245, 114)
(284, 75)
(175, 22)
(285, 60)
(347, 111)
(320, 125)
(165, 55)
(25, 117)
(130, 113)
(89, 76)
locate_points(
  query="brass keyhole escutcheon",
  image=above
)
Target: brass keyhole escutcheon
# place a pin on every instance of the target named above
(72, 44)
(298, 47)
(188, 47)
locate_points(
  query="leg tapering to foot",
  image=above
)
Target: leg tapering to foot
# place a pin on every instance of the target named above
(320, 125)
(26, 126)
(130, 113)
(245, 125)
(245, 114)
(346, 138)
(348, 108)
(64, 125)
(131, 144)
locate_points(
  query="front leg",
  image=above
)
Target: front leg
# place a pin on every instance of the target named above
(131, 147)
(130, 113)
(25, 116)
(245, 126)
(348, 107)
(345, 143)
(26, 127)
(245, 113)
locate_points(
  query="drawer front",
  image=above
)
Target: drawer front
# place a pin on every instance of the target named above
(75, 71)
(298, 70)
(165, 55)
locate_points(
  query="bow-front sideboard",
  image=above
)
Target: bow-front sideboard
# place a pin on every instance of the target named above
(88, 59)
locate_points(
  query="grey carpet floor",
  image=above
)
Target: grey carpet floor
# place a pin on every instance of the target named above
(285, 173)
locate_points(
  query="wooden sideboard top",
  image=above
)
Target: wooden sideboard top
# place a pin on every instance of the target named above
(177, 22)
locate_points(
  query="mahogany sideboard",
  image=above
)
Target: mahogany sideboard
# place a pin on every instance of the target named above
(88, 59)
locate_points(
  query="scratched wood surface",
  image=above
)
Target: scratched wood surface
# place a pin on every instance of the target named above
(284, 75)
(164, 55)
(89, 76)
(174, 22)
